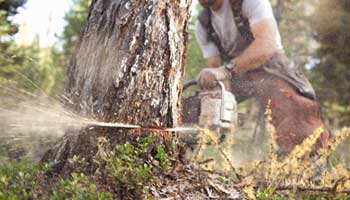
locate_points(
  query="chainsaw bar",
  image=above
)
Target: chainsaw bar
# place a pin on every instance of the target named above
(132, 126)
(113, 125)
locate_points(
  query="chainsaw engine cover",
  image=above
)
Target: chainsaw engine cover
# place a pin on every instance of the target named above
(210, 109)
(211, 102)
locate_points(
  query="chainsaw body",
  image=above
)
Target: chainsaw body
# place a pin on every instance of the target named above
(214, 109)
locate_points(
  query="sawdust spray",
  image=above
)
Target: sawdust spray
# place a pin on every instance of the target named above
(30, 122)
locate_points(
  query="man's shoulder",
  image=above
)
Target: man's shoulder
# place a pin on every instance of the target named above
(253, 4)
(255, 10)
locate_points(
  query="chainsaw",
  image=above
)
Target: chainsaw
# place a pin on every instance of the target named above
(212, 109)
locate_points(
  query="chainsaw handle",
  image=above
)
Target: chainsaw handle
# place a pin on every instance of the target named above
(222, 86)
(188, 84)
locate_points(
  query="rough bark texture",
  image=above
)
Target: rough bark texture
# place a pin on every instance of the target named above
(128, 64)
(126, 68)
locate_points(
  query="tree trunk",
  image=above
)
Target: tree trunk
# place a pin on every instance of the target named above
(126, 68)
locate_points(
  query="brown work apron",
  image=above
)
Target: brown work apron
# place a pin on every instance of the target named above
(245, 85)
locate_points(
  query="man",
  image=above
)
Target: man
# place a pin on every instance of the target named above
(241, 41)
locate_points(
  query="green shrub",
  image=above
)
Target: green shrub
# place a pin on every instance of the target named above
(78, 188)
(135, 166)
(18, 179)
(23, 180)
(131, 167)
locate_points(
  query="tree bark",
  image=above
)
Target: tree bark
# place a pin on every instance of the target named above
(126, 68)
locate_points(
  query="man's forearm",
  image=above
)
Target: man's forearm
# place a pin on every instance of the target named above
(260, 50)
(255, 55)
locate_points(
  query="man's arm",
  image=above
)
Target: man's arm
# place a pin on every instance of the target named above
(260, 50)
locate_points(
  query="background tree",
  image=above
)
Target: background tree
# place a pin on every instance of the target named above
(296, 34)
(195, 61)
(28, 66)
(8, 50)
(75, 18)
(331, 74)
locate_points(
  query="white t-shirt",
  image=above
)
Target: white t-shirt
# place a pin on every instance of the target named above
(225, 26)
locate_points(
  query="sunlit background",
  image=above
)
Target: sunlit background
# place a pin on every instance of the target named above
(45, 19)
(41, 18)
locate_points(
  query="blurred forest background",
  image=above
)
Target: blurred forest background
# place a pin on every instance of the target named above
(315, 34)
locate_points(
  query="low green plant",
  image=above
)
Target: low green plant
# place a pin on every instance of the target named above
(78, 187)
(133, 166)
(268, 194)
(18, 179)
(127, 168)
(162, 157)
(23, 180)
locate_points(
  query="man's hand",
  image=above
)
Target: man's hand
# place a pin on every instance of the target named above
(207, 79)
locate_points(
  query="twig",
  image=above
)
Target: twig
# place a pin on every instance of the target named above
(206, 161)
(225, 157)
(215, 172)
(196, 154)
(218, 187)
(210, 194)
(229, 162)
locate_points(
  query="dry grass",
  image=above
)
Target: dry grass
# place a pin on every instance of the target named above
(298, 170)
